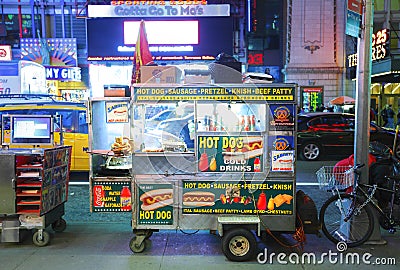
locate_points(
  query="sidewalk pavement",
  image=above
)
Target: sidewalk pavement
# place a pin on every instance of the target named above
(101, 241)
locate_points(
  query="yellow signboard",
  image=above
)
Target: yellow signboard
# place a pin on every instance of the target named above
(228, 93)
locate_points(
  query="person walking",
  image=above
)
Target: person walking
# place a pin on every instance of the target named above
(384, 116)
(372, 114)
(398, 118)
(390, 116)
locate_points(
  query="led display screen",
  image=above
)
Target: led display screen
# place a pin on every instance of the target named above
(163, 32)
(31, 130)
(201, 39)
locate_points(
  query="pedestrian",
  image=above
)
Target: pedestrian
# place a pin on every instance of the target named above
(372, 114)
(320, 108)
(398, 118)
(384, 116)
(390, 116)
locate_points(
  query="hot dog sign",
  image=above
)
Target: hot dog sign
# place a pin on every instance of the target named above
(155, 204)
(230, 154)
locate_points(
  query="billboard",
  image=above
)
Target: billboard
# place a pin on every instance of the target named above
(109, 39)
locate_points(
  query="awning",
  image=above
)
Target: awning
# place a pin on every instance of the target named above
(342, 100)
(386, 71)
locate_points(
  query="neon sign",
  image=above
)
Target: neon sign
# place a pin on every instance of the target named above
(256, 59)
(158, 3)
(379, 51)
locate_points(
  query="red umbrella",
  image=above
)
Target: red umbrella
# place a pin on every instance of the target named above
(342, 100)
(142, 53)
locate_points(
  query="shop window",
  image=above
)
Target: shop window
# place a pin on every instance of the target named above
(12, 28)
(379, 5)
(395, 5)
(82, 125)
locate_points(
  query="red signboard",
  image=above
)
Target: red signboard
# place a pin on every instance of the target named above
(355, 5)
(256, 59)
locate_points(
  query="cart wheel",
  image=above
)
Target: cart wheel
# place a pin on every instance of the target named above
(239, 245)
(149, 233)
(135, 246)
(59, 225)
(45, 238)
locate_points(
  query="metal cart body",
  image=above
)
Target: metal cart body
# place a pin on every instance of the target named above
(166, 180)
(33, 191)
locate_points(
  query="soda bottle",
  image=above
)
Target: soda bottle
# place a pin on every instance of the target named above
(126, 199)
(242, 123)
(247, 124)
(257, 165)
(253, 123)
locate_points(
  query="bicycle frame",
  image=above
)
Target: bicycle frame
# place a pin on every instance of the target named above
(363, 190)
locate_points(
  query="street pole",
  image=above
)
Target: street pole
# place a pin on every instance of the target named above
(363, 103)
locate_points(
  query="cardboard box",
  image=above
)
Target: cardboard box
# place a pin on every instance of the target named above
(115, 91)
(160, 74)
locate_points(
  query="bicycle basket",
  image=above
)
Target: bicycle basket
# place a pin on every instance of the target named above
(335, 177)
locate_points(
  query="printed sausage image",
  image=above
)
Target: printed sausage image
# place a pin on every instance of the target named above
(156, 198)
(198, 198)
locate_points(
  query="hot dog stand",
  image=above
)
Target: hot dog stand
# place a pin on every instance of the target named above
(223, 160)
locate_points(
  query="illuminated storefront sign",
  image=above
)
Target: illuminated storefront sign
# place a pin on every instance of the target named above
(255, 59)
(379, 49)
(61, 51)
(167, 10)
(159, 3)
(63, 73)
(311, 97)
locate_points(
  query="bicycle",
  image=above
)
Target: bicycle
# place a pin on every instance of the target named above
(348, 215)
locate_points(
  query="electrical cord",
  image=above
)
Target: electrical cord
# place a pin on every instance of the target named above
(186, 233)
(298, 235)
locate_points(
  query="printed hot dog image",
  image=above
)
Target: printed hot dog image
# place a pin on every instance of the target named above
(252, 147)
(198, 198)
(156, 198)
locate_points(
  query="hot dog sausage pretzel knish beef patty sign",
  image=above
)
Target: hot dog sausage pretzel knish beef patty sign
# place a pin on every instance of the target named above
(233, 197)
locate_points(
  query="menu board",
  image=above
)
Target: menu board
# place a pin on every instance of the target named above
(238, 197)
(275, 93)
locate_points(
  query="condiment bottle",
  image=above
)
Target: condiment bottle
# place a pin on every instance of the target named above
(257, 165)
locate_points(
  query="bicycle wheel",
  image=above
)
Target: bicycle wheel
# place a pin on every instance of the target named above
(356, 230)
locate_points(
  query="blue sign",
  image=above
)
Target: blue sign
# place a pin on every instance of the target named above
(63, 73)
(353, 24)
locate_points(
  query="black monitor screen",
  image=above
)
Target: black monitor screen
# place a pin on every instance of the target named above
(31, 130)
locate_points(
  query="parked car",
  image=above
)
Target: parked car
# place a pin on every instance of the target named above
(322, 134)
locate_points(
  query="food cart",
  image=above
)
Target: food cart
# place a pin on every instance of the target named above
(34, 181)
(224, 161)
